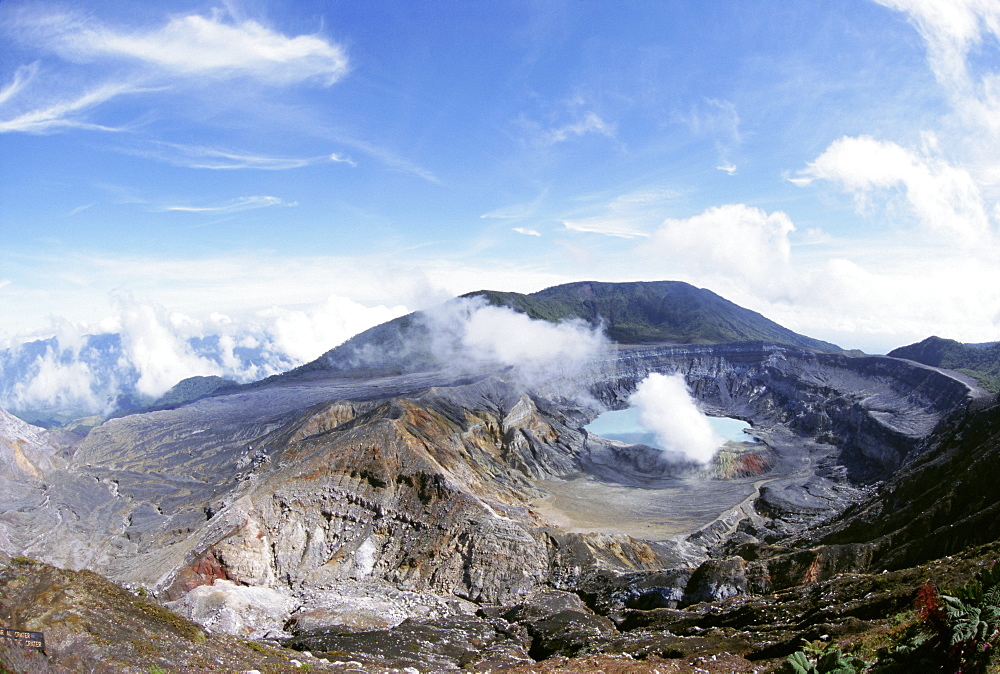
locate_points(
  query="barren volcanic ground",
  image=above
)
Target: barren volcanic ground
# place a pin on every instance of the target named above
(322, 504)
(392, 507)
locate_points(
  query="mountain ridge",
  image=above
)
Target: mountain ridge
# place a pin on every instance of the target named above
(640, 312)
(631, 313)
(981, 361)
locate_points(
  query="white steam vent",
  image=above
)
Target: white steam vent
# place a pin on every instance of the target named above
(667, 410)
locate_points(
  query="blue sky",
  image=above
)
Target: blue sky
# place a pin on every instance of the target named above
(308, 169)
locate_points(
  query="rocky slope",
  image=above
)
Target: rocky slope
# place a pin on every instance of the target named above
(92, 625)
(437, 485)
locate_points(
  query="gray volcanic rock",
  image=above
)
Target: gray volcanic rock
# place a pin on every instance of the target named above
(559, 623)
(459, 642)
(28, 452)
(466, 485)
(876, 410)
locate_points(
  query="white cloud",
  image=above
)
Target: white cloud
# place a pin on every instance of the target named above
(736, 240)
(628, 216)
(619, 227)
(667, 409)
(62, 114)
(498, 334)
(55, 382)
(550, 358)
(954, 30)
(518, 211)
(895, 295)
(390, 159)
(341, 159)
(22, 76)
(589, 123)
(943, 197)
(526, 231)
(552, 132)
(157, 350)
(232, 206)
(206, 46)
(76, 285)
(186, 50)
(81, 208)
(305, 334)
(219, 159)
(719, 120)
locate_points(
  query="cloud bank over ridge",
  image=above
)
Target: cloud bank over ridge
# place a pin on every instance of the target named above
(143, 350)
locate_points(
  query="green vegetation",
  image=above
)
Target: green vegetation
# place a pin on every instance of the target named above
(649, 312)
(822, 658)
(629, 313)
(956, 631)
(183, 626)
(952, 632)
(981, 361)
(255, 646)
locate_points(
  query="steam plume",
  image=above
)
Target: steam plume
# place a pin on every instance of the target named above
(553, 358)
(667, 409)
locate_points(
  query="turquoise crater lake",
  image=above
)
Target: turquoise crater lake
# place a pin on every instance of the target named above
(624, 426)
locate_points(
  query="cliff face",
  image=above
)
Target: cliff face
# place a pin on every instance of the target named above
(940, 504)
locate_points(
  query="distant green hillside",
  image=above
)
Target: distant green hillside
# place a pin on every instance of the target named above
(630, 313)
(981, 361)
(657, 311)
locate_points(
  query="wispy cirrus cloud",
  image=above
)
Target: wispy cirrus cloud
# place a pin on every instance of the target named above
(199, 46)
(618, 227)
(63, 114)
(337, 158)
(81, 208)
(952, 28)
(22, 76)
(627, 216)
(388, 158)
(184, 51)
(231, 206)
(583, 123)
(719, 120)
(223, 159)
(589, 123)
(955, 31)
(518, 211)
